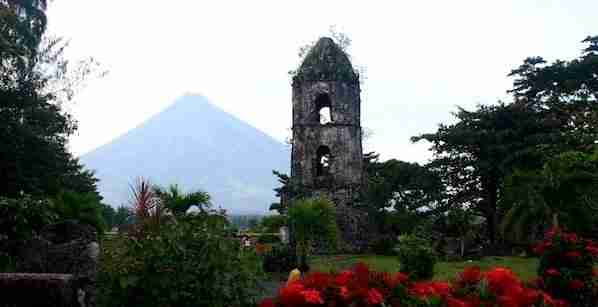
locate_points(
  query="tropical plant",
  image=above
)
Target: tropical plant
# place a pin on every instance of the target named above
(20, 220)
(312, 219)
(563, 193)
(179, 202)
(83, 207)
(191, 263)
(416, 256)
(148, 210)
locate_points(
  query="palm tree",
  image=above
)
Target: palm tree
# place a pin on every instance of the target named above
(563, 192)
(178, 202)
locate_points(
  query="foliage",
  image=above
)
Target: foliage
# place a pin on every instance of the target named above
(312, 219)
(268, 238)
(20, 220)
(191, 263)
(86, 208)
(147, 208)
(385, 246)
(554, 111)
(281, 258)
(273, 223)
(400, 185)
(178, 202)
(564, 191)
(364, 287)
(566, 267)
(416, 256)
(474, 155)
(35, 80)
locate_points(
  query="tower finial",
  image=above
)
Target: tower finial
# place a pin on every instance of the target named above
(326, 61)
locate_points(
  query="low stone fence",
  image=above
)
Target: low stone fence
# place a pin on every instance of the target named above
(57, 268)
(28, 289)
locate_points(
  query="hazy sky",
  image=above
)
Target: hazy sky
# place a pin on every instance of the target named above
(422, 58)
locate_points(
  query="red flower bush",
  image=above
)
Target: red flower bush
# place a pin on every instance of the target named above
(363, 287)
(566, 267)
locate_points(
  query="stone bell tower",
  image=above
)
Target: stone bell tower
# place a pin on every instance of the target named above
(327, 153)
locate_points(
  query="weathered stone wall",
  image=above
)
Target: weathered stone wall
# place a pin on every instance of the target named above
(326, 79)
(346, 159)
(63, 248)
(51, 290)
(344, 109)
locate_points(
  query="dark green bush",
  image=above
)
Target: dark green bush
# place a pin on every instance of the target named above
(20, 220)
(268, 239)
(384, 246)
(281, 258)
(189, 263)
(417, 257)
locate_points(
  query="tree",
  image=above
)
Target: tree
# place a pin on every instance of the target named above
(474, 155)
(565, 92)
(83, 207)
(178, 202)
(400, 185)
(312, 219)
(35, 80)
(564, 192)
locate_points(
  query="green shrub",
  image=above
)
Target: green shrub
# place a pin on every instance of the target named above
(20, 220)
(384, 246)
(566, 268)
(191, 262)
(281, 258)
(313, 220)
(268, 239)
(417, 257)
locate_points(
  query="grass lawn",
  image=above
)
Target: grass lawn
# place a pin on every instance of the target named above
(524, 267)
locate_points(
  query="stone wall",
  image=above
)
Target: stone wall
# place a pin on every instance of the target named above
(51, 290)
(63, 260)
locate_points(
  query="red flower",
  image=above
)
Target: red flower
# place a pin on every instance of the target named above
(291, 294)
(312, 297)
(344, 293)
(539, 249)
(470, 275)
(529, 297)
(453, 302)
(593, 250)
(499, 279)
(572, 255)
(570, 237)
(268, 302)
(576, 284)
(552, 232)
(317, 280)
(553, 272)
(374, 297)
(362, 273)
(343, 278)
(425, 289)
(397, 279)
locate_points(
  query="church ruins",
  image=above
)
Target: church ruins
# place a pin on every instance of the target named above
(327, 154)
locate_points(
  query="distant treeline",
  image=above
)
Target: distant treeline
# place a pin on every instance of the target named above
(244, 222)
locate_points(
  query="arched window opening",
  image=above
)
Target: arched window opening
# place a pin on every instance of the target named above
(323, 161)
(323, 106)
(325, 116)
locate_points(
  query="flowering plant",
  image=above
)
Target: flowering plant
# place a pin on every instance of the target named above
(566, 267)
(363, 287)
